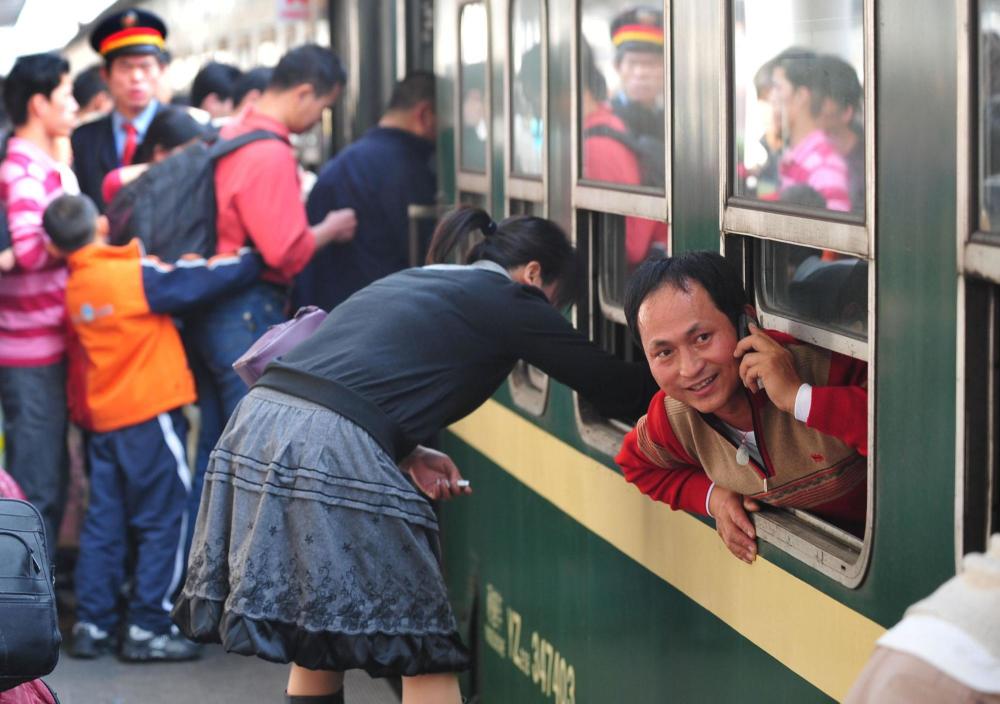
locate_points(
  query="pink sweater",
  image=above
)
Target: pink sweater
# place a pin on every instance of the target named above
(32, 296)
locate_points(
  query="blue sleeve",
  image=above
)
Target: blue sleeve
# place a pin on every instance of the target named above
(174, 288)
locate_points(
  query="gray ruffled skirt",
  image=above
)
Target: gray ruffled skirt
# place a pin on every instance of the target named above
(312, 547)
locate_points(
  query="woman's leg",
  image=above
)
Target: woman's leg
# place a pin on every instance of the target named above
(432, 689)
(305, 682)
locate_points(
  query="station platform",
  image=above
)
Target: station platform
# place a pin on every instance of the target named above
(217, 678)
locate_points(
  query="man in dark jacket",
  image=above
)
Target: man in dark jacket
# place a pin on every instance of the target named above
(379, 176)
(132, 46)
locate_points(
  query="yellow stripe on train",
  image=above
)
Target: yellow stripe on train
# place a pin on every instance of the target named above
(812, 634)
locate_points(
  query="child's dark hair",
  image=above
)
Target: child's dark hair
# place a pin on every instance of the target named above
(709, 269)
(510, 243)
(70, 222)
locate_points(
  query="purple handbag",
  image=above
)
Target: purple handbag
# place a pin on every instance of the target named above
(276, 341)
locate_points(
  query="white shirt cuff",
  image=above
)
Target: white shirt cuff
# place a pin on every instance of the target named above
(708, 497)
(803, 403)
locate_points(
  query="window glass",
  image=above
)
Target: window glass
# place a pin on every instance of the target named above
(472, 83)
(622, 78)
(623, 243)
(798, 72)
(820, 288)
(527, 88)
(989, 91)
(526, 207)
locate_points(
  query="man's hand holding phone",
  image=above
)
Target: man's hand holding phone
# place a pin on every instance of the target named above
(768, 363)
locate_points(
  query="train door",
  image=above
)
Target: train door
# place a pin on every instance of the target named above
(978, 455)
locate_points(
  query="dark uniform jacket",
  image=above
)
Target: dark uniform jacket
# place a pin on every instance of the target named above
(94, 155)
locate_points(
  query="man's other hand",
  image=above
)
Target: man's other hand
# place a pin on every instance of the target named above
(733, 524)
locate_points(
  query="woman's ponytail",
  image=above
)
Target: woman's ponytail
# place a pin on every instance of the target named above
(454, 228)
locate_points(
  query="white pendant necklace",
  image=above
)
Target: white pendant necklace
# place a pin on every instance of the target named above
(743, 451)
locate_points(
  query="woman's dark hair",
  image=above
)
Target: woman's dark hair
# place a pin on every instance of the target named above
(172, 127)
(708, 269)
(32, 75)
(510, 243)
(254, 79)
(214, 77)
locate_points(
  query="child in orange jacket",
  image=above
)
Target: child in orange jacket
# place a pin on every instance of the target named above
(128, 379)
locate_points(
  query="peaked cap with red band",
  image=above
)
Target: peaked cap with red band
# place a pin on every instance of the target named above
(132, 31)
(638, 29)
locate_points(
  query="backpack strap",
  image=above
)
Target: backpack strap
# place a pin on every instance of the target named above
(223, 147)
(623, 138)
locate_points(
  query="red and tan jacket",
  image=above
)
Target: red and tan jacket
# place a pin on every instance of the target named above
(126, 360)
(674, 453)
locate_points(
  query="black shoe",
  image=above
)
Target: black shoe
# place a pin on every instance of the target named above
(89, 641)
(145, 646)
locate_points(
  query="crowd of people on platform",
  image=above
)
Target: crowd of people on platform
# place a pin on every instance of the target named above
(315, 541)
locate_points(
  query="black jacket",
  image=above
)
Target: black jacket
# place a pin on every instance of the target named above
(417, 350)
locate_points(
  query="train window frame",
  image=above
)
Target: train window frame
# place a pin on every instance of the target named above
(977, 467)
(589, 198)
(471, 181)
(608, 197)
(529, 387)
(745, 225)
(787, 223)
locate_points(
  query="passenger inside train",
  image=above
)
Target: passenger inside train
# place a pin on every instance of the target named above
(744, 416)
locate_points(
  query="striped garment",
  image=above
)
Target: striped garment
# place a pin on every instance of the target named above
(32, 296)
(816, 163)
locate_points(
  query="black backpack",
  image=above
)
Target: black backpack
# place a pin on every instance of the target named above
(648, 152)
(171, 207)
(29, 627)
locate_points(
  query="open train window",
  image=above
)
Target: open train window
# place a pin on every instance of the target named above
(474, 104)
(527, 153)
(978, 226)
(620, 151)
(798, 194)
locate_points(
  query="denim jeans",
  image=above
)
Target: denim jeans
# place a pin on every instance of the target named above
(34, 425)
(215, 338)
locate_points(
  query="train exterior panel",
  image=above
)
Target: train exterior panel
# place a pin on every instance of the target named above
(571, 585)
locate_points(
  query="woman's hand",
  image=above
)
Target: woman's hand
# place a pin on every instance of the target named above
(434, 473)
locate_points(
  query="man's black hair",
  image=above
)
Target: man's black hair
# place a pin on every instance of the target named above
(710, 270)
(840, 82)
(214, 77)
(70, 222)
(32, 75)
(415, 88)
(254, 79)
(87, 84)
(312, 64)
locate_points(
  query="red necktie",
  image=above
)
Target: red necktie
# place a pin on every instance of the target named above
(129, 150)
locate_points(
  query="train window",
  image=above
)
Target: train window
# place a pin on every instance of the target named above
(623, 243)
(980, 493)
(621, 95)
(814, 287)
(603, 238)
(798, 104)
(527, 89)
(474, 91)
(989, 128)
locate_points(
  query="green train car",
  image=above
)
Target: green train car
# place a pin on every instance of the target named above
(570, 585)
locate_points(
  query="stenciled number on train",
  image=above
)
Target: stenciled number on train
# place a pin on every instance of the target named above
(547, 668)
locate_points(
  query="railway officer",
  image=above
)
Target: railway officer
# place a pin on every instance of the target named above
(132, 46)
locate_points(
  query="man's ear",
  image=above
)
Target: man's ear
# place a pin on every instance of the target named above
(102, 227)
(37, 104)
(533, 272)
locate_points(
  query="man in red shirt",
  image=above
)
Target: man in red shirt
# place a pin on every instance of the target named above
(258, 198)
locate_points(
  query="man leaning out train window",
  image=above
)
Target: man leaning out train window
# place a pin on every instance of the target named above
(744, 415)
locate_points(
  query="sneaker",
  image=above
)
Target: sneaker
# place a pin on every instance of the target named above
(145, 646)
(89, 641)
